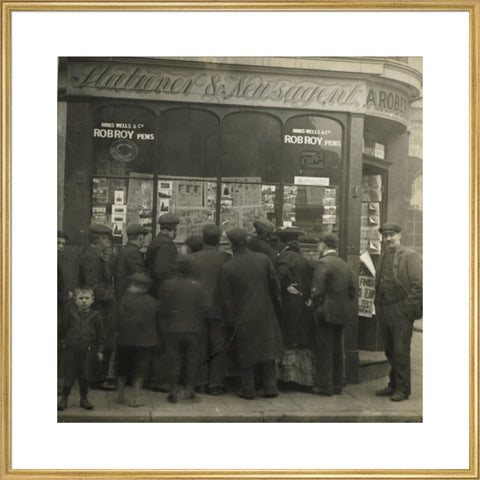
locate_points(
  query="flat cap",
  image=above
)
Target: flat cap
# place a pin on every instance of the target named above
(264, 224)
(140, 278)
(211, 232)
(168, 219)
(390, 227)
(288, 232)
(237, 236)
(329, 239)
(99, 229)
(136, 229)
(194, 242)
(61, 234)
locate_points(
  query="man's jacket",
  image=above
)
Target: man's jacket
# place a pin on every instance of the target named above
(407, 273)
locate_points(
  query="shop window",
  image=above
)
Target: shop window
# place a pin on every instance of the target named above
(123, 140)
(372, 208)
(188, 143)
(251, 147)
(313, 148)
(118, 202)
(313, 209)
(243, 200)
(193, 200)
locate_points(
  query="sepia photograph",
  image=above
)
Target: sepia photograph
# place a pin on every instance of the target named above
(267, 239)
(283, 279)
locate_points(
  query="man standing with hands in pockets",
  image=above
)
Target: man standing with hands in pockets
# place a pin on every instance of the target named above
(398, 303)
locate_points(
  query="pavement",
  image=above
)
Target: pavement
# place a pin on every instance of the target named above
(357, 403)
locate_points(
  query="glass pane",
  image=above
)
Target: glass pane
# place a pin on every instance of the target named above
(192, 200)
(313, 148)
(123, 140)
(118, 202)
(188, 143)
(252, 146)
(313, 209)
(370, 215)
(242, 202)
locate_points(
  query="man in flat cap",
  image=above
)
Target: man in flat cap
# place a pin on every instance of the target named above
(260, 242)
(161, 256)
(63, 295)
(206, 265)
(130, 258)
(95, 273)
(249, 291)
(398, 303)
(294, 274)
(334, 302)
(194, 243)
(162, 252)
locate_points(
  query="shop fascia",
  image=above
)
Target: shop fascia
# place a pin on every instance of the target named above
(235, 88)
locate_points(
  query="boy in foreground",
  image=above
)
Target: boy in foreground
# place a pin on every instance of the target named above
(81, 335)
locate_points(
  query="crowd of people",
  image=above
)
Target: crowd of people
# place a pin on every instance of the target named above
(187, 324)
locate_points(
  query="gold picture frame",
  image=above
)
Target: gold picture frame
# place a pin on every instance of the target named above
(472, 7)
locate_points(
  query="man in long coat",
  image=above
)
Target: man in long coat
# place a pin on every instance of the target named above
(295, 281)
(249, 292)
(398, 302)
(161, 256)
(162, 252)
(206, 265)
(95, 272)
(334, 301)
(260, 242)
(130, 259)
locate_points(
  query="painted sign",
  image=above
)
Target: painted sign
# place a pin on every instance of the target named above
(125, 131)
(318, 181)
(186, 84)
(386, 102)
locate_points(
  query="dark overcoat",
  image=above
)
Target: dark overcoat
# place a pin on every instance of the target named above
(206, 266)
(160, 258)
(334, 290)
(130, 260)
(95, 272)
(182, 306)
(261, 245)
(295, 323)
(408, 275)
(249, 291)
(137, 323)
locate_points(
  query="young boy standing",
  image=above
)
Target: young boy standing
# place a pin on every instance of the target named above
(138, 335)
(80, 334)
(182, 322)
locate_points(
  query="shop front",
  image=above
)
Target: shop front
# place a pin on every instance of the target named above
(227, 142)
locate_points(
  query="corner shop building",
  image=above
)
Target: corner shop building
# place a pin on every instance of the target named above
(314, 142)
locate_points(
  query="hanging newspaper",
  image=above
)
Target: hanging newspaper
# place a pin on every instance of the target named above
(366, 286)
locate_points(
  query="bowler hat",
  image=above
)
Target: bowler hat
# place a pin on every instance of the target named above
(194, 242)
(168, 219)
(140, 278)
(99, 229)
(237, 236)
(264, 224)
(211, 232)
(288, 232)
(390, 227)
(136, 229)
(329, 239)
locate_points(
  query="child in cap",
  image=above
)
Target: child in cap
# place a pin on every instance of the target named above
(182, 322)
(81, 334)
(138, 335)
